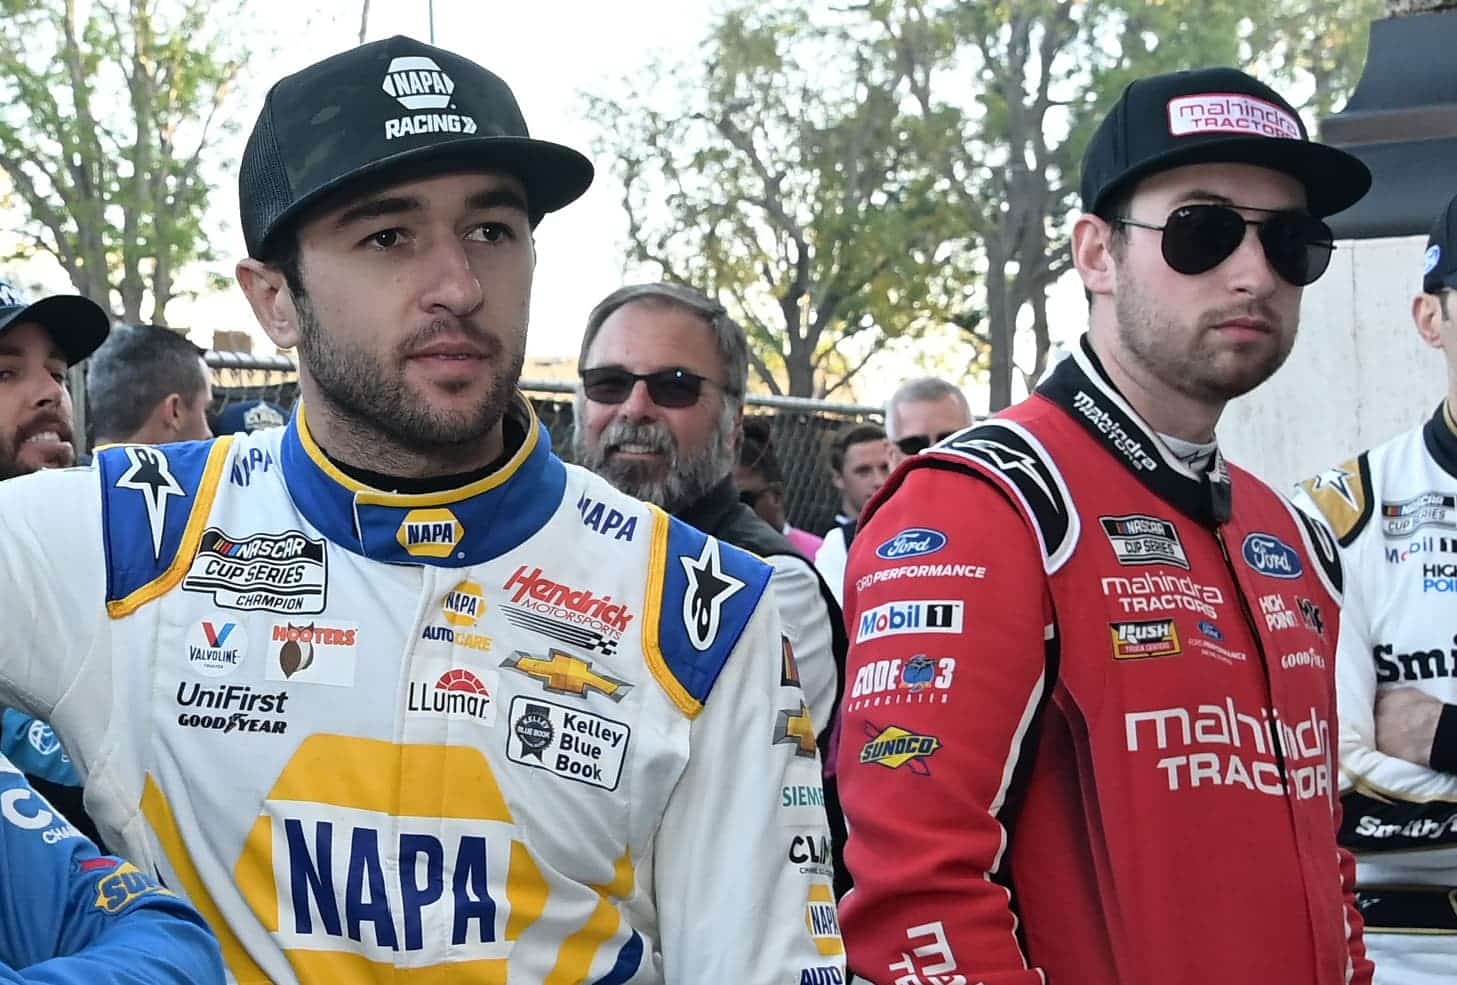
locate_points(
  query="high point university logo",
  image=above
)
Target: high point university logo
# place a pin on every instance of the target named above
(420, 84)
(1230, 112)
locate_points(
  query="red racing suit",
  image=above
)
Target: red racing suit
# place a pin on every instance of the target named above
(1088, 735)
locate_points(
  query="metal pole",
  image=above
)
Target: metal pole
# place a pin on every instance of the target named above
(432, 21)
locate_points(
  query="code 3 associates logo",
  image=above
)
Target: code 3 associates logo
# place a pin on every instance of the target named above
(900, 618)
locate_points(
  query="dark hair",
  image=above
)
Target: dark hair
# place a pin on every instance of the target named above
(282, 251)
(856, 434)
(137, 368)
(756, 453)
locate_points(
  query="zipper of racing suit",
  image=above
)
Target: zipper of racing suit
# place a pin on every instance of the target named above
(1254, 628)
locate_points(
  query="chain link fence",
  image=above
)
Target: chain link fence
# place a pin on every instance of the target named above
(801, 429)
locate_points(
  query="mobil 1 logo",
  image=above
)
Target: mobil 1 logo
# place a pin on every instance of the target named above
(568, 742)
(284, 572)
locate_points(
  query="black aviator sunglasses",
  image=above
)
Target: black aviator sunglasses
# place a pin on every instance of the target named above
(1198, 238)
(673, 387)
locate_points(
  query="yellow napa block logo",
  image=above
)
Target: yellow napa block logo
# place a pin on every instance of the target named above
(822, 922)
(464, 604)
(430, 533)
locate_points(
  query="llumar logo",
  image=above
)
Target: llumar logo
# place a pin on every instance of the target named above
(429, 533)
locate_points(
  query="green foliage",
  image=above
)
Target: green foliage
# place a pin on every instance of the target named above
(104, 124)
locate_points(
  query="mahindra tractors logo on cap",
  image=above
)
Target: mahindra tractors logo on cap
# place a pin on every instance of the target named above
(420, 84)
(1230, 112)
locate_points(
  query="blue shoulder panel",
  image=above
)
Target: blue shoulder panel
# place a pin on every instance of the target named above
(710, 590)
(30, 744)
(148, 494)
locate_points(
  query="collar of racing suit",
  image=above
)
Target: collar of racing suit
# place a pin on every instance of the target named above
(1441, 440)
(1081, 387)
(452, 528)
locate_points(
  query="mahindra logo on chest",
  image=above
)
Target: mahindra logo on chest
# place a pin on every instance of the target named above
(1271, 556)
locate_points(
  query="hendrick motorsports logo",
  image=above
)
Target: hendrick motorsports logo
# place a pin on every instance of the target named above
(284, 572)
(420, 84)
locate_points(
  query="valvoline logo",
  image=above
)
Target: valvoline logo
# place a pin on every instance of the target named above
(911, 542)
(1269, 555)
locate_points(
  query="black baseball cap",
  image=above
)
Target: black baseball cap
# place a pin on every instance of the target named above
(1213, 115)
(1439, 272)
(78, 326)
(373, 110)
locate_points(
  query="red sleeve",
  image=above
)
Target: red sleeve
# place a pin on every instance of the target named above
(946, 605)
(1361, 968)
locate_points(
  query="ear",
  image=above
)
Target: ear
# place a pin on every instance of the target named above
(1426, 311)
(171, 411)
(267, 292)
(1092, 249)
(838, 482)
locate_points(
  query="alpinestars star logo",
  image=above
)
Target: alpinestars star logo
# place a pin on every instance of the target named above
(709, 588)
(1338, 480)
(150, 476)
(1010, 460)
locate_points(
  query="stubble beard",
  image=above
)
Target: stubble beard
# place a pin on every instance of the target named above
(681, 484)
(375, 400)
(1148, 333)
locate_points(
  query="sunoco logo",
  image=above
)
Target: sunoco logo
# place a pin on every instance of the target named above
(894, 747)
(417, 83)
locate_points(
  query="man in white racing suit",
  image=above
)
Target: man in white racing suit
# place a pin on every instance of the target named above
(1393, 510)
(392, 694)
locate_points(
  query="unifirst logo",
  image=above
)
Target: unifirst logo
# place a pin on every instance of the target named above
(430, 533)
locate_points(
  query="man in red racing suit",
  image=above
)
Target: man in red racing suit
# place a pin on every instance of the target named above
(1089, 725)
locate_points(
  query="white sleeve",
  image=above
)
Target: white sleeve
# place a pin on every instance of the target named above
(53, 601)
(806, 622)
(831, 559)
(737, 902)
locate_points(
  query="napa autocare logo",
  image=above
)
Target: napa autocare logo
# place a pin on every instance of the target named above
(911, 542)
(1271, 556)
(417, 83)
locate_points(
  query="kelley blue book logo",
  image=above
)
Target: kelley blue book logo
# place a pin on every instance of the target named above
(911, 542)
(1271, 556)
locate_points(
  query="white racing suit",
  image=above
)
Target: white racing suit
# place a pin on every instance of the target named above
(1393, 510)
(527, 731)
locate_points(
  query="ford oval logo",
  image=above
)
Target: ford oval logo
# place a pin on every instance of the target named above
(911, 542)
(1269, 555)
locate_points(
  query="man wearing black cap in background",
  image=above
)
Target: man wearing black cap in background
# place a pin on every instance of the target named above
(1393, 511)
(1088, 731)
(38, 342)
(391, 692)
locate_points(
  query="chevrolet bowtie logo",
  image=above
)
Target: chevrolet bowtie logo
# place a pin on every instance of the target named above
(562, 673)
(795, 728)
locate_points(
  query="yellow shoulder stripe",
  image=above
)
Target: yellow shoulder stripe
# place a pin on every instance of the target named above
(652, 618)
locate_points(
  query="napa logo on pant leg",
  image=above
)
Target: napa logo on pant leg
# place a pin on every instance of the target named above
(430, 533)
(894, 747)
(821, 920)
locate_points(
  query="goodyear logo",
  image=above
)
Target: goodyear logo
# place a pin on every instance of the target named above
(116, 892)
(822, 922)
(464, 605)
(430, 533)
(894, 747)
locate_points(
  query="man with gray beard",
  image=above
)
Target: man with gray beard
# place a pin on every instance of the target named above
(659, 415)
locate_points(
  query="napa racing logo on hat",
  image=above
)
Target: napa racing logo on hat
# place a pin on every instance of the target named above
(420, 84)
(1231, 112)
(1432, 258)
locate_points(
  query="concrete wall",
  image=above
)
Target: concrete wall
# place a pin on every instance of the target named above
(1358, 374)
